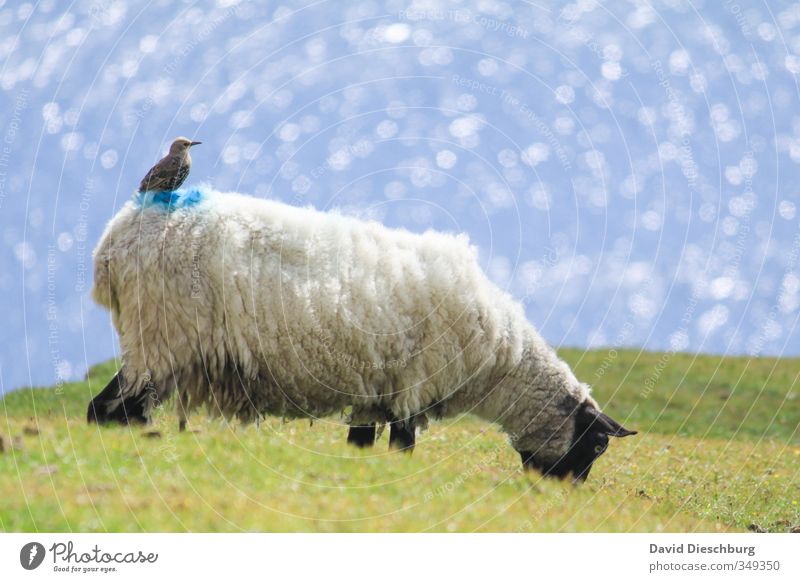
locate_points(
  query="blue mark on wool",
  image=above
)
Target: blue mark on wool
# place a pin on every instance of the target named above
(172, 200)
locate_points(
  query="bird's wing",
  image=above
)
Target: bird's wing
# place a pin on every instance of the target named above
(154, 176)
(166, 175)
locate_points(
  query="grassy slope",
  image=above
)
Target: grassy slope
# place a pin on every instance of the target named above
(719, 449)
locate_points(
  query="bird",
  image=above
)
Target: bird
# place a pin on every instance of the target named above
(171, 170)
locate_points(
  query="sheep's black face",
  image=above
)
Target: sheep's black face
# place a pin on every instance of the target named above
(589, 441)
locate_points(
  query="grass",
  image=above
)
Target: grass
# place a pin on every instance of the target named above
(718, 450)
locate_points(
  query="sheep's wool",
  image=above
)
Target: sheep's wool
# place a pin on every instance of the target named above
(254, 307)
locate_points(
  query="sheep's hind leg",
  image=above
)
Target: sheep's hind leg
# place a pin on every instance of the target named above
(111, 407)
(361, 435)
(183, 410)
(402, 434)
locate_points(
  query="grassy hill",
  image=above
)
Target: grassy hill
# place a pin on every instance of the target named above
(718, 450)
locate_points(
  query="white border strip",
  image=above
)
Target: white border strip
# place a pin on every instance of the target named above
(403, 557)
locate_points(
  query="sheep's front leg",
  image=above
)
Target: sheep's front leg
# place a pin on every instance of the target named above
(402, 435)
(362, 435)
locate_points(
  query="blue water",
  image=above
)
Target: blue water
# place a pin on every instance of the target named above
(628, 171)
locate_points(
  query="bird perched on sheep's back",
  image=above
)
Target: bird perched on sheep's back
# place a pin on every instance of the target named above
(171, 170)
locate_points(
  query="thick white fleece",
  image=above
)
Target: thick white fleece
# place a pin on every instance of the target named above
(255, 307)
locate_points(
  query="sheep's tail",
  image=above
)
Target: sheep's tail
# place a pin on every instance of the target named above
(103, 291)
(113, 406)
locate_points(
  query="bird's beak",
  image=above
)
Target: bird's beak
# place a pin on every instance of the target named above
(194, 143)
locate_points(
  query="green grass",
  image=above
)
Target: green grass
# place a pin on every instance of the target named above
(718, 450)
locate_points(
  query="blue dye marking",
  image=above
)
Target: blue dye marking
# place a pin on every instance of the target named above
(170, 201)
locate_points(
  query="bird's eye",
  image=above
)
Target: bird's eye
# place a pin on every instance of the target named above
(599, 449)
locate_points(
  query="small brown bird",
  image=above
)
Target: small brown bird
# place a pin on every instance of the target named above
(171, 170)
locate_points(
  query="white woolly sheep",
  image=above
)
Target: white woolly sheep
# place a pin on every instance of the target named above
(253, 307)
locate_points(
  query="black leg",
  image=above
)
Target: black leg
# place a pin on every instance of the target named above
(527, 460)
(183, 410)
(362, 435)
(110, 407)
(402, 435)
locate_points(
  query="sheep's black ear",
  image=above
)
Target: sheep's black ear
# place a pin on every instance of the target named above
(615, 428)
(607, 424)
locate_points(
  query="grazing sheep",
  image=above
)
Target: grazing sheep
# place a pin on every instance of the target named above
(254, 307)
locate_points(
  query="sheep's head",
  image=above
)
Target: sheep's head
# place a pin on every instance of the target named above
(589, 440)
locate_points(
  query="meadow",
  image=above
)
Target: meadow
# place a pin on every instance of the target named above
(718, 449)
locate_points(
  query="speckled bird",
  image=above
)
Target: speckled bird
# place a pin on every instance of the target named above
(171, 170)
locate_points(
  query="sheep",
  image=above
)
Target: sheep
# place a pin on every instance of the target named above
(254, 307)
